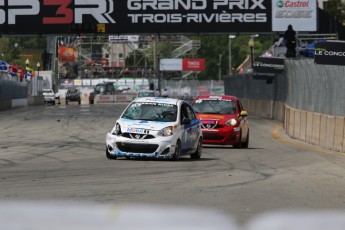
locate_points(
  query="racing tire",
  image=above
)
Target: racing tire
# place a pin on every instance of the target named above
(239, 143)
(109, 156)
(246, 143)
(197, 154)
(177, 151)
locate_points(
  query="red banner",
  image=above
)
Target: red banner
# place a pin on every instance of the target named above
(193, 64)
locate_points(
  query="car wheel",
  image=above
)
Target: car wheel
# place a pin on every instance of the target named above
(198, 150)
(177, 151)
(246, 143)
(91, 101)
(239, 143)
(109, 156)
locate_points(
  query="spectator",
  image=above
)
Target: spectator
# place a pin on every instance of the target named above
(280, 42)
(290, 40)
(165, 93)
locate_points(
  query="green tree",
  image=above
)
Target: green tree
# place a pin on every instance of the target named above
(336, 8)
(12, 47)
(212, 46)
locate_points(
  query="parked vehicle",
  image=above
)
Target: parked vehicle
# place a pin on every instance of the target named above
(146, 93)
(97, 90)
(73, 95)
(223, 120)
(49, 96)
(160, 128)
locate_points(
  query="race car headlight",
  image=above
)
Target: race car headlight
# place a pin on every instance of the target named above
(231, 122)
(117, 129)
(167, 131)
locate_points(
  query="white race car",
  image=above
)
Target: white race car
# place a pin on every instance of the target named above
(153, 127)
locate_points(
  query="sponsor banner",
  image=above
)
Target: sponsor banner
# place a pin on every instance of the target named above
(173, 64)
(86, 82)
(77, 82)
(3, 66)
(268, 65)
(135, 16)
(66, 82)
(330, 53)
(194, 64)
(123, 38)
(301, 14)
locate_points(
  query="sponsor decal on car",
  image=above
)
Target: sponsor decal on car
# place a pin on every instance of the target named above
(136, 130)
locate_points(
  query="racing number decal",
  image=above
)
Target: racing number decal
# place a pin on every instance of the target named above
(63, 10)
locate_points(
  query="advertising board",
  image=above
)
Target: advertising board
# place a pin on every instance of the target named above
(301, 14)
(134, 16)
(268, 65)
(330, 53)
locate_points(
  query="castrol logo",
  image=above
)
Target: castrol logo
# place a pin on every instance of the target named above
(293, 4)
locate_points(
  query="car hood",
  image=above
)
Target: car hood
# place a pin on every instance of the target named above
(221, 118)
(141, 124)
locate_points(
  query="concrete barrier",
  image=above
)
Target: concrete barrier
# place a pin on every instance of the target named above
(114, 98)
(5, 104)
(319, 129)
(35, 100)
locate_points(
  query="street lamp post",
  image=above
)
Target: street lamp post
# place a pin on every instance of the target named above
(251, 46)
(38, 68)
(220, 67)
(230, 64)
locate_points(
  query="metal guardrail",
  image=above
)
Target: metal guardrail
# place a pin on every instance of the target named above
(312, 37)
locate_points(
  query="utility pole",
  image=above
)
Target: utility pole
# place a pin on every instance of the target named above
(220, 67)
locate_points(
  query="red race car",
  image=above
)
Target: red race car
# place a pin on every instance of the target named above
(223, 120)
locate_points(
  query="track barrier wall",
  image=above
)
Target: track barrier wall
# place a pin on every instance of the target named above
(309, 99)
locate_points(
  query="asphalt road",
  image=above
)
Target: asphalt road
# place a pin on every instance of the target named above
(58, 153)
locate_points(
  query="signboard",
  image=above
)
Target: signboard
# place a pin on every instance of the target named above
(3, 66)
(330, 53)
(173, 64)
(268, 65)
(194, 64)
(123, 38)
(135, 16)
(178, 64)
(301, 14)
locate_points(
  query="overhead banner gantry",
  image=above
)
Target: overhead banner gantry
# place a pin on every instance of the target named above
(154, 16)
(134, 16)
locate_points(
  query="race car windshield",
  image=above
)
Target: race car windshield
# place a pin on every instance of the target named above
(151, 112)
(215, 106)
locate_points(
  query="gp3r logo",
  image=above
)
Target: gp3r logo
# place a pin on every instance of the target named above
(65, 14)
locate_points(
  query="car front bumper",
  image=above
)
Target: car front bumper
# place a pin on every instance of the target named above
(49, 99)
(156, 148)
(224, 136)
